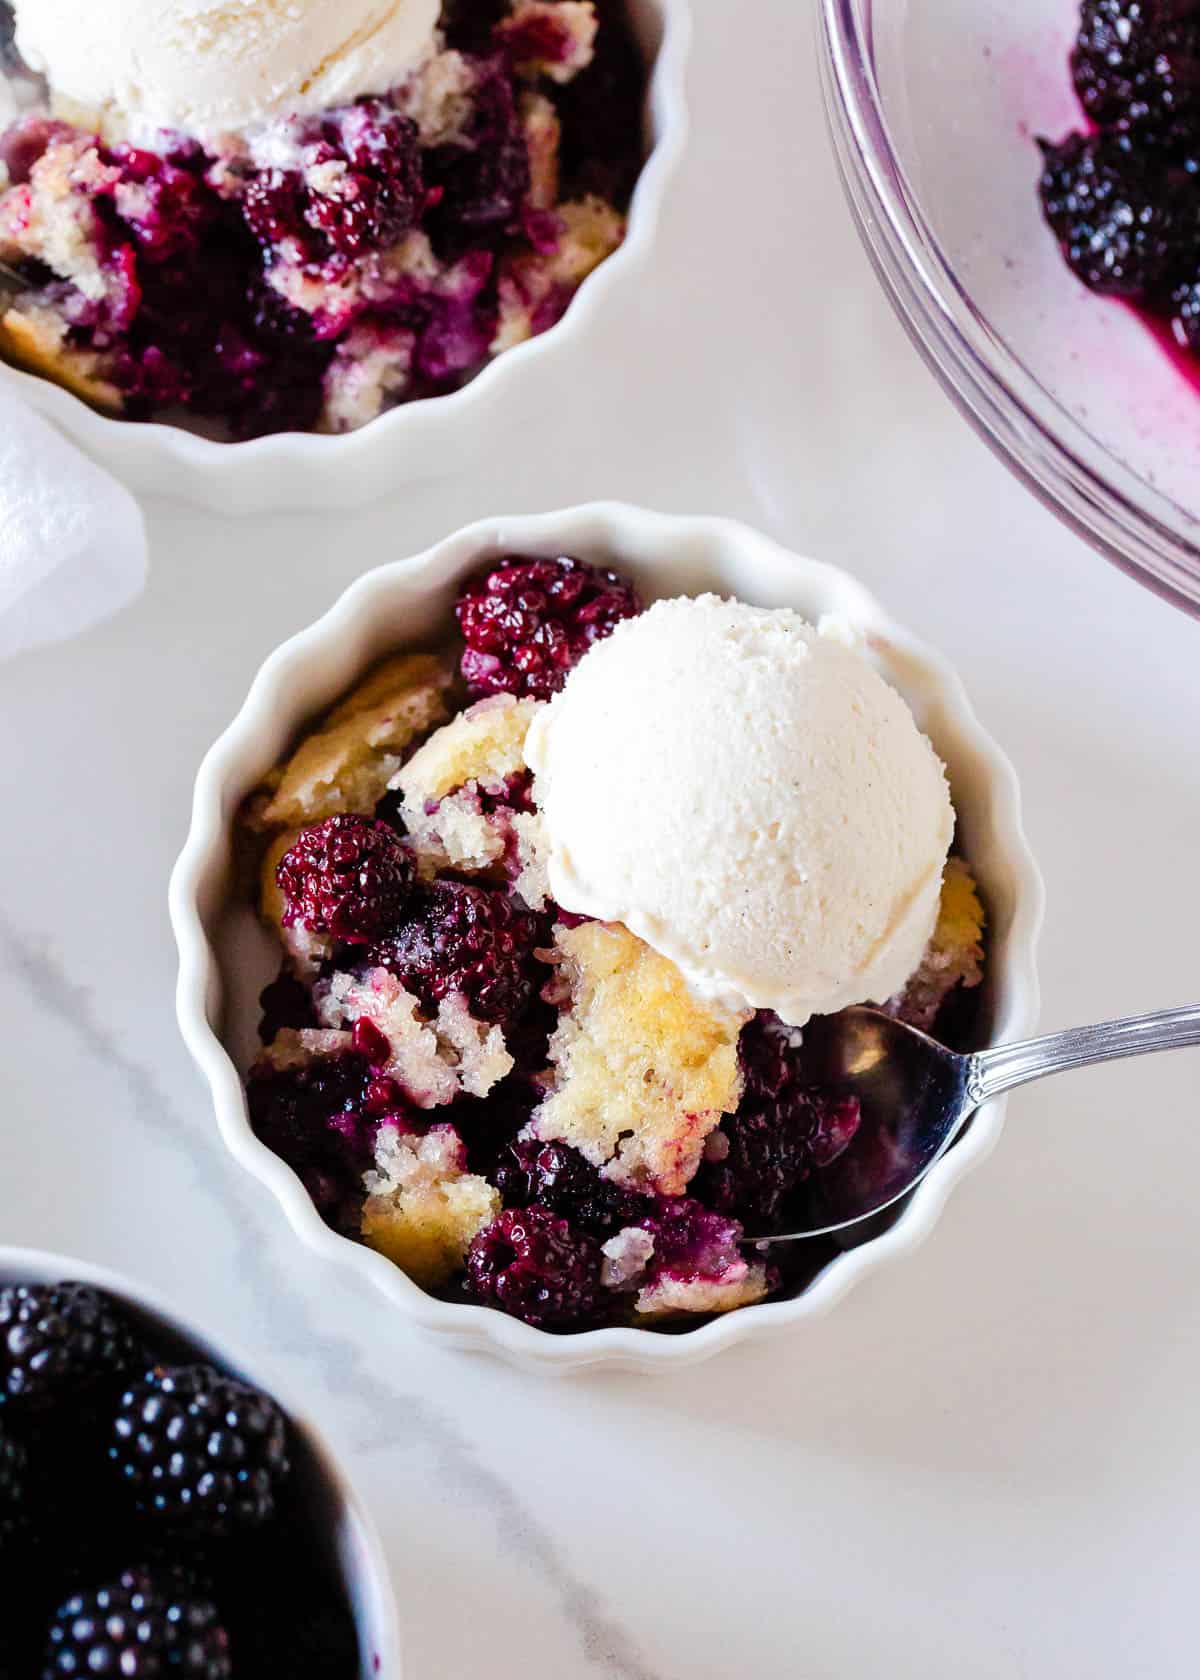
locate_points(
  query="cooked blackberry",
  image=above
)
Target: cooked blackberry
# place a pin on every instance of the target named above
(563, 1180)
(532, 1264)
(474, 940)
(203, 1453)
(145, 1626)
(1127, 220)
(321, 1118)
(286, 1002)
(528, 622)
(601, 113)
(783, 1130)
(1138, 62)
(371, 154)
(348, 876)
(480, 181)
(58, 1342)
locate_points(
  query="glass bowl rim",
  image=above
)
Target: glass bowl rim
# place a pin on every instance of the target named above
(1138, 528)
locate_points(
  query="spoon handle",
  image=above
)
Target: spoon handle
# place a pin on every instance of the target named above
(993, 1071)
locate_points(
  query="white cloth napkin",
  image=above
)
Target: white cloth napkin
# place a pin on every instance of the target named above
(72, 540)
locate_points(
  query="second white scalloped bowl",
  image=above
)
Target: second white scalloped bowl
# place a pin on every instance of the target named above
(426, 438)
(226, 957)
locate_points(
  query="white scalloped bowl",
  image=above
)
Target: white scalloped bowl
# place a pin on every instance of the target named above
(355, 1546)
(423, 439)
(226, 957)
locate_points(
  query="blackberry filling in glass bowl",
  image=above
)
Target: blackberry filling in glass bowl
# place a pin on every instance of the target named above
(259, 266)
(159, 1514)
(553, 916)
(1123, 196)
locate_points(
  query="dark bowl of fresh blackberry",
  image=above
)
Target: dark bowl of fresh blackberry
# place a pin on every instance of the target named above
(162, 1517)
(1026, 179)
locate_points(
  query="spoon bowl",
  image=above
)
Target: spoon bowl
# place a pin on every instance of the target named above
(916, 1096)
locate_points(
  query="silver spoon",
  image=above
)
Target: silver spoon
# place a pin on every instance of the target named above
(917, 1096)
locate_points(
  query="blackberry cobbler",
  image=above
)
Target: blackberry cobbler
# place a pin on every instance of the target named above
(1123, 196)
(311, 271)
(522, 1106)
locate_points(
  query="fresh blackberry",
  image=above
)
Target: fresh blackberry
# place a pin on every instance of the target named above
(532, 1264)
(566, 1182)
(469, 939)
(527, 622)
(203, 1453)
(144, 1626)
(1126, 220)
(59, 1342)
(12, 1490)
(783, 1130)
(1137, 62)
(347, 876)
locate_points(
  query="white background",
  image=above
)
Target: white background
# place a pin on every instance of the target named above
(983, 1463)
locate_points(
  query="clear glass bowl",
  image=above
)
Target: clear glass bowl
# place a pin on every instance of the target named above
(934, 107)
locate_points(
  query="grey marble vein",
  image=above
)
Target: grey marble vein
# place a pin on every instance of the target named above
(604, 1643)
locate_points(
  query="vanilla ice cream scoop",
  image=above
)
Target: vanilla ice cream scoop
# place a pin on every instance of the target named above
(751, 798)
(207, 67)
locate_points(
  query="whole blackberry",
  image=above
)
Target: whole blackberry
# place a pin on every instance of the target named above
(348, 876)
(464, 938)
(367, 160)
(58, 1342)
(12, 1489)
(566, 1182)
(781, 1132)
(1137, 62)
(322, 1118)
(203, 1453)
(527, 623)
(1126, 221)
(532, 1264)
(144, 1626)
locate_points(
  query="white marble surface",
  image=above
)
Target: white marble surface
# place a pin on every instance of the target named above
(983, 1463)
